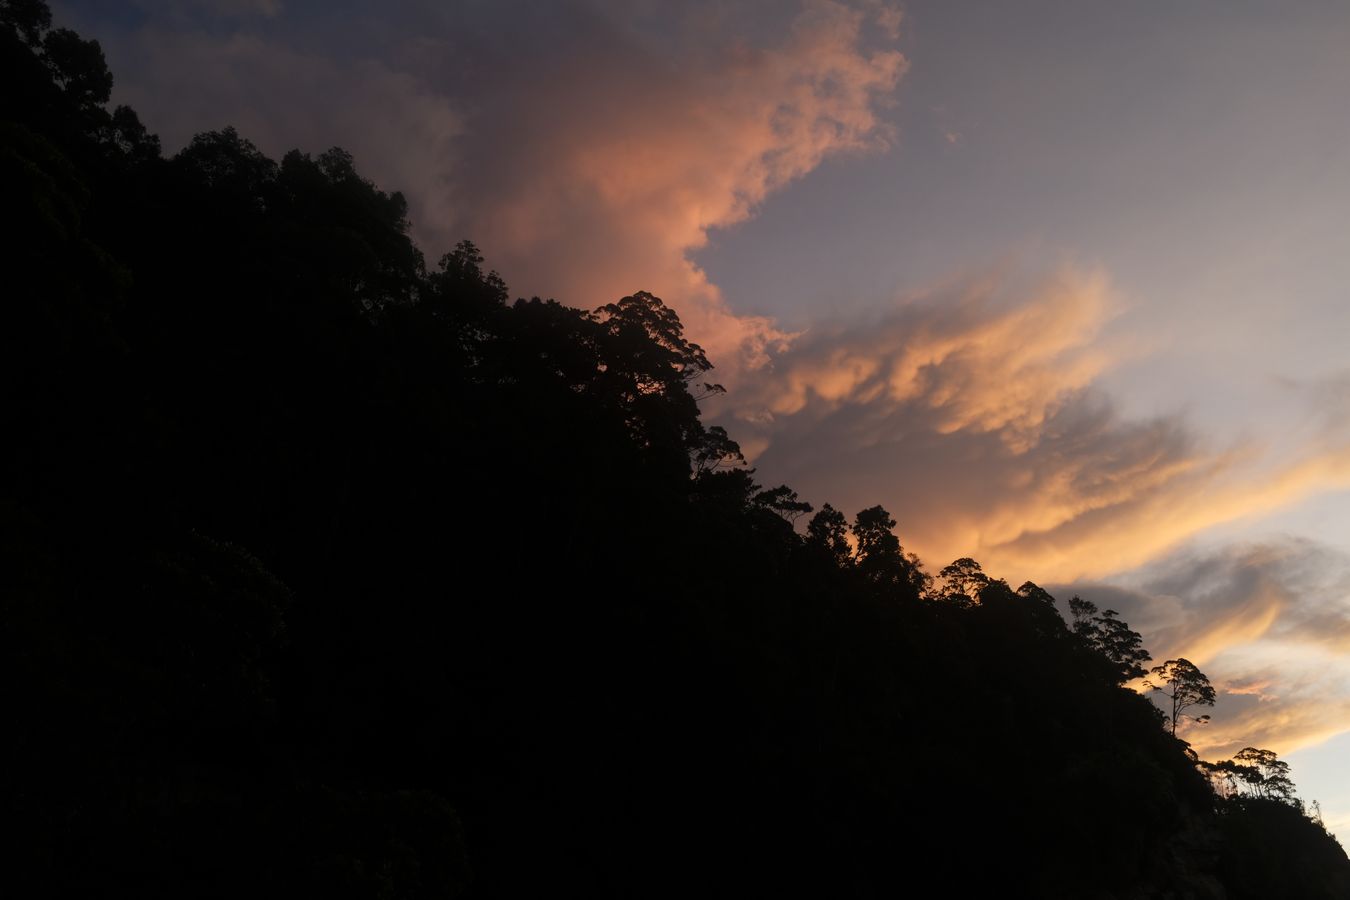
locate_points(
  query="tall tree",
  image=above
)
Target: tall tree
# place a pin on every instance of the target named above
(878, 547)
(879, 554)
(1185, 686)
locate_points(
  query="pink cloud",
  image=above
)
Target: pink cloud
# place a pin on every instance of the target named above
(630, 160)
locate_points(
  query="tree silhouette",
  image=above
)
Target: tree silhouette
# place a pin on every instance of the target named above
(717, 449)
(878, 555)
(962, 581)
(828, 531)
(28, 18)
(1263, 774)
(1082, 612)
(1185, 686)
(1031, 591)
(782, 500)
(878, 547)
(1107, 634)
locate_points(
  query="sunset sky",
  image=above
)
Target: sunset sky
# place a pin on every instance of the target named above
(1062, 285)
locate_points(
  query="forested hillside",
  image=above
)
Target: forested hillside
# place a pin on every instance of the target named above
(331, 572)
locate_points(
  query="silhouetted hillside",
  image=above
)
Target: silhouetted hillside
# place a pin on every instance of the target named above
(329, 573)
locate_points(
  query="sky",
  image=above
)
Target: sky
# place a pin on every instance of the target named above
(1062, 285)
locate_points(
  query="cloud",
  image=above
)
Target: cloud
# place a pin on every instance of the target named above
(968, 411)
(632, 156)
(973, 413)
(1268, 623)
(964, 354)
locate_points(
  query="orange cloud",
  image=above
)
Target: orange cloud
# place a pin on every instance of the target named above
(971, 412)
(967, 356)
(1310, 711)
(1152, 518)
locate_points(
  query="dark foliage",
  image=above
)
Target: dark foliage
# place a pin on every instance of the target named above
(1270, 849)
(329, 574)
